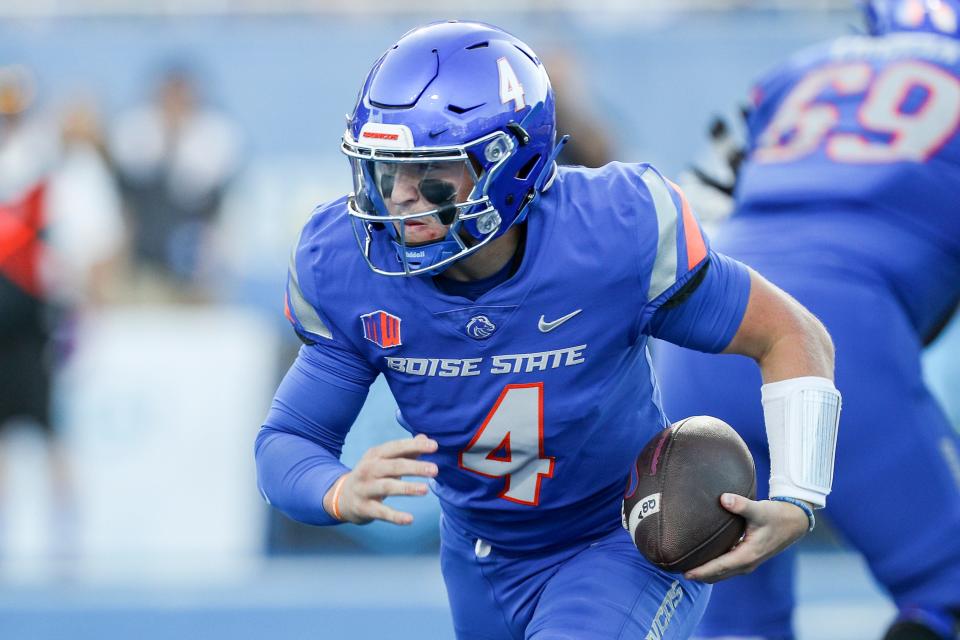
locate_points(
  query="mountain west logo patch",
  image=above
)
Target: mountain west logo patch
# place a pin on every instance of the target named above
(480, 327)
(381, 328)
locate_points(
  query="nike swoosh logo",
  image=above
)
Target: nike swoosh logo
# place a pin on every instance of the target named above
(545, 326)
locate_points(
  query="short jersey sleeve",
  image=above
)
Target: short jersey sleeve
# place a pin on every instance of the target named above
(673, 247)
(694, 297)
(706, 313)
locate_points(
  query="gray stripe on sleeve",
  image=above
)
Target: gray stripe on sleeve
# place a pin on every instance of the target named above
(665, 264)
(302, 309)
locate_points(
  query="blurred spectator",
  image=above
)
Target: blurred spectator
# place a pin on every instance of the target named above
(86, 221)
(174, 158)
(59, 221)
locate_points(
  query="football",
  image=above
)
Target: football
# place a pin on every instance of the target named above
(672, 504)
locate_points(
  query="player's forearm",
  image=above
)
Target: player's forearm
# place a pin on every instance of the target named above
(804, 349)
(801, 406)
(294, 474)
(298, 448)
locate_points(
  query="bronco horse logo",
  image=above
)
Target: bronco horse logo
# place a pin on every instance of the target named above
(480, 327)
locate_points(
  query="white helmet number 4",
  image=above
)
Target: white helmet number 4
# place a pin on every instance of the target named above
(510, 87)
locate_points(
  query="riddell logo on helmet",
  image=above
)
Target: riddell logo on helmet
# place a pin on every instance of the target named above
(386, 136)
(377, 135)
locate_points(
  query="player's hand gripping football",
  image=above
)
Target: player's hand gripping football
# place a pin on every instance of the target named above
(771, 528)
(358, 496)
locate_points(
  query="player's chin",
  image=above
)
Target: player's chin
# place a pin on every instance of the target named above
(422, 234)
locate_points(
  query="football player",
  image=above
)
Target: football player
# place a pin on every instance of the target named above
(849, 200)
(508, 302)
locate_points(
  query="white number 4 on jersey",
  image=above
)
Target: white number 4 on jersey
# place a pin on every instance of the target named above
(509, 444)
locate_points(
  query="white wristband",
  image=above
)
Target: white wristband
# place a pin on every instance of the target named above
(801, 416)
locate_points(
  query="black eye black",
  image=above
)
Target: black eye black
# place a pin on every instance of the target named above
(386, 185)
(437, 191)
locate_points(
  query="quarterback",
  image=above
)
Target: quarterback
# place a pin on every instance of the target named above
(508, 302)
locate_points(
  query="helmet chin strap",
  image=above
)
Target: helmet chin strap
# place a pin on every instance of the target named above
(413, 258)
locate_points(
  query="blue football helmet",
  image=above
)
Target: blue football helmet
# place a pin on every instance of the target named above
(933, 16)
(452, 138)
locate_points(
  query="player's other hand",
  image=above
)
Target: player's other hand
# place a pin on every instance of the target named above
(378, 475)
(771, 528)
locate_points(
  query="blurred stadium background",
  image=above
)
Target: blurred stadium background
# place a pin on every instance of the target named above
(167, 362)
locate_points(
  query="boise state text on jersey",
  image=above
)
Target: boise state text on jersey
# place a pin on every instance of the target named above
(539, 393)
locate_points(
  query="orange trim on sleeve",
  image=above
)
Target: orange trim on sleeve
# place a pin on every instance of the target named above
(696, 247)
(286, 308)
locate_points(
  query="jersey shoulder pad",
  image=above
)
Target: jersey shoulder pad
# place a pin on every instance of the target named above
(324, 240)
(598, 205)
(630, 209)
(672, 244)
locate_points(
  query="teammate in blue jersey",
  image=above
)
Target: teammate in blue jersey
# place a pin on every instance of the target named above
(508, 303)
(850, 201)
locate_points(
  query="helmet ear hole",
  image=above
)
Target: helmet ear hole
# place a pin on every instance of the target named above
(528, 167)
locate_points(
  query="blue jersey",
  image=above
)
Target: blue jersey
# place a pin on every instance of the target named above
(850, 201)
(540, 392)
(854, 148)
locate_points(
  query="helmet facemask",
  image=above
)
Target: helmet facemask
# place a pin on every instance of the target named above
(430, 204)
